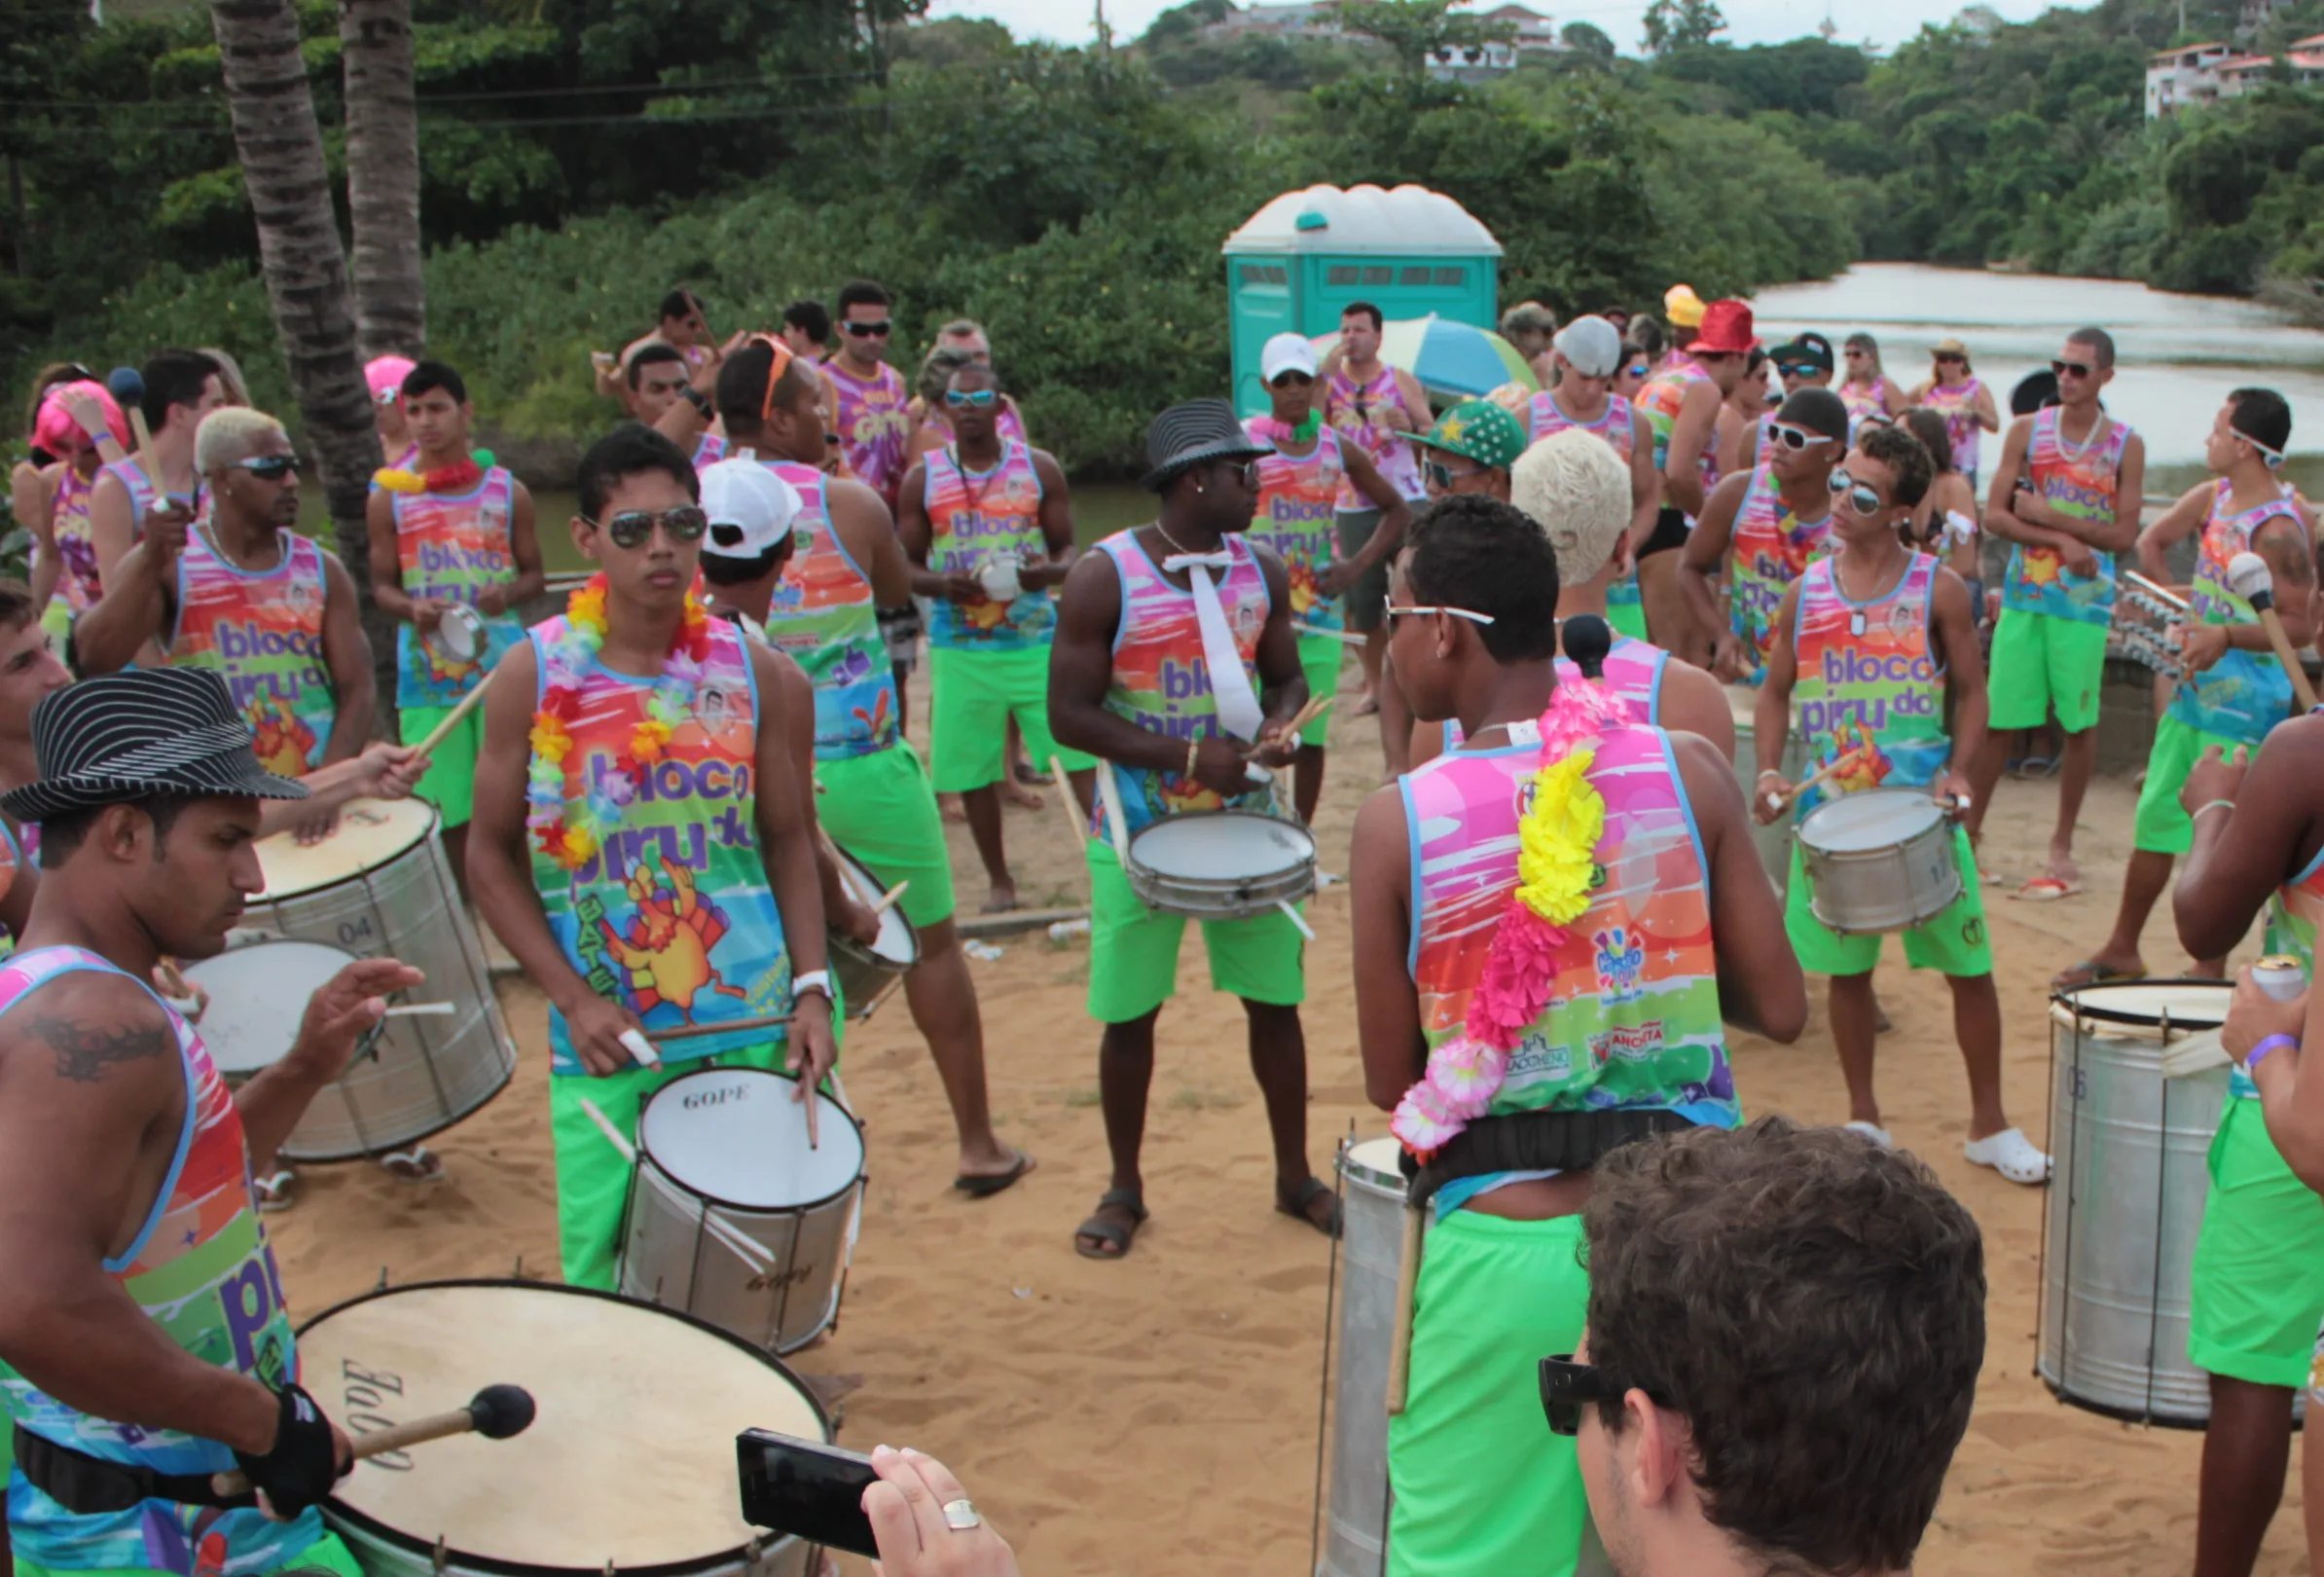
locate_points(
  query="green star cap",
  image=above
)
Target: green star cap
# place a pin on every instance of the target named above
(1477, 431)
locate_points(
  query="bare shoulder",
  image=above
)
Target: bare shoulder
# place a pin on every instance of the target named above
(1709, 777)
(1691, 695)
(89, 1027)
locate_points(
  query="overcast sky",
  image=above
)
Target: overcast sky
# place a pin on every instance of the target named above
(1885, 24)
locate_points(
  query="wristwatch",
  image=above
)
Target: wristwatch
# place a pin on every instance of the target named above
(811, 980)
(696, 398)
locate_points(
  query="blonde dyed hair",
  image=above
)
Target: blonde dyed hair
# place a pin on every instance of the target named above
(1577, 490)
(227, 433)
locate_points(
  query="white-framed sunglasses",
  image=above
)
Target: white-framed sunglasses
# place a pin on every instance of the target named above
(1394, 612)
(1793, 438)
(2273, 456)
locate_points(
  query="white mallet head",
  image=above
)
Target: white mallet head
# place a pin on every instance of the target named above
(2249, 579)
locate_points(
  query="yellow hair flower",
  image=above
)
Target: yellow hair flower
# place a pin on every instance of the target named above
(1558, 837)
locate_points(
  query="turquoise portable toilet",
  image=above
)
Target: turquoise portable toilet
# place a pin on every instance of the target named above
(1303, 257)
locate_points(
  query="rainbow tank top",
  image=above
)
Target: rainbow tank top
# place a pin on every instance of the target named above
(1633, 671)
(674, 917)
(1349, 407)
(2245, 693)
(1957, 404)
(874, 426)
(202, 1269)
(1660, 399)
(1297, 494)
(708, 450)
(1010, 426)
(263, 628)
(2078, 480)
(1543, 416)
(972, 517)
(822, 617)
(144, 495)
(1865, 401)
(1632, 1021)
(2292, 913)
(1161, 681)
(78, 585)
(1771, 547)
(15, 855)
(1869, 681)
(451, 548)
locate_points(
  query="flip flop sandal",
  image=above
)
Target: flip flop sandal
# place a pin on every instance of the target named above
(2011, 1154)
(418, 1164)
(1115, 1237)
(984, 1185)
(1296, 1208)
(275, 1190)
(2045, 889)
(2035, 766)
(2093, 973)
(1874, 1132)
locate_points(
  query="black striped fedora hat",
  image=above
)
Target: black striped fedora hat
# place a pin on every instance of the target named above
(139, 733)
(1193, 431)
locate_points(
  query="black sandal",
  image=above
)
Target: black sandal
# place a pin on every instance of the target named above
(1117, 1238)
(1296, 1208)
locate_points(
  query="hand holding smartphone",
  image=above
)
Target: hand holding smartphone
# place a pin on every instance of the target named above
(806, 1488)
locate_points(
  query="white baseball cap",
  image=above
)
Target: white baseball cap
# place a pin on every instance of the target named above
(1287, 352)
(1592, 344)
(750, 508)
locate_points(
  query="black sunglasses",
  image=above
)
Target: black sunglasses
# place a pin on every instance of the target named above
(2080, 369)
(267, 468)
(1799, 369)
(635, 528)
(1567, 1387)
(865, 331)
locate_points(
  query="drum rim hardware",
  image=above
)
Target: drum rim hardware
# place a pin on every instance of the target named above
(646, 1157)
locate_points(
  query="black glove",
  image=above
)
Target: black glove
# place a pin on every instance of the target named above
(304, 1465)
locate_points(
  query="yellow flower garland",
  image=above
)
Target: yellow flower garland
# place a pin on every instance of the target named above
(1558, 837)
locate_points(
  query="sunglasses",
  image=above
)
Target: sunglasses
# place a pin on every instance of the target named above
(268, 468)
(1794, 439)
(1952, 361)
(1638, 370)
(1862, 498)
(635, 528)
(1567, 1387)
(867, 331)
(1394, 613)
(2080, 369)
(972, 399)
(2273, 456)
(1444, 476)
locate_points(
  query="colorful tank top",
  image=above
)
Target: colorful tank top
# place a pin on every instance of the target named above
(16, 857)
(1865, 400)
(1869, 681)
(1660, 399)
(1352, 409)
(1010, 424)
(78, 586)
(708, 450)
(1957, 404)
(1297, 494)
(1632, 671)
(2245, 693)
(1543, 416)
(824, 618)
(1161, 681)
(451, 548)
(263, 628)
(874, 426)
(2293, 914)
(2078, 480)
(202, 1269)
(1632, 1021)
(973, 516)
(143, 495)
(674, 917)
(1771, 547)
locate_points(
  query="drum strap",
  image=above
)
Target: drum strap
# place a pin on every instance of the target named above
(91, 1486)
(1531, 1142)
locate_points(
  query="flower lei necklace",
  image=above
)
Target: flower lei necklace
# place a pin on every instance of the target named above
(1557, 844)
(570, 827)
(449, 480)
(1275, 430)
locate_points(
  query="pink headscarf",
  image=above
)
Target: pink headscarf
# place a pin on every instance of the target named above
(54, 429)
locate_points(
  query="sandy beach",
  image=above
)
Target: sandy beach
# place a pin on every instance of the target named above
(1159, 1416)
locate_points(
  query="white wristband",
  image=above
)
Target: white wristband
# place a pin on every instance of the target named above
(813, 980)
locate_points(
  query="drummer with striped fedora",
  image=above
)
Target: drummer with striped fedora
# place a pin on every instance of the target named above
(1177, 665)
(142, 1321)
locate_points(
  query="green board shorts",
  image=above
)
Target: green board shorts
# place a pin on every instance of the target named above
(1134, 950)
(1482, 1487)
(1367, 600)
(2258, 1261)
(327, 1553)
(1627, 618)
(1318, 657)
(592, 1181)
(1954, 942)
(2162, 824)
(880, 809)
(450, 782)
(2040, 662)
(974, 693)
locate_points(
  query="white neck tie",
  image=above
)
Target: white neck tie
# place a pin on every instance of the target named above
(1230, 687)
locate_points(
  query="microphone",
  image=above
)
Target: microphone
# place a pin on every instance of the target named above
(1587, 639)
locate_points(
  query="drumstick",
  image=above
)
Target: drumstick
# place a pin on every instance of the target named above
(495, 1413)
(1845, 759)
(1343, 637)
(749, 1252)
(421, 1009)
(1296, 918)
(1065, 795)
(1111, 793)
(2248, 579)
(641, 1049)
(889, 898)
(1407, 1280)
(451, 719)
(145, 454)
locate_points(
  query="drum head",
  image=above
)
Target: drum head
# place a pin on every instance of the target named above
(1222, 847)
(737, 1137)
(2192, 1003)
(258, 995)
(1874, 818)
(371, 834)
(459, 635)
(896, 944)
(631, 1461)
(1374, 1160)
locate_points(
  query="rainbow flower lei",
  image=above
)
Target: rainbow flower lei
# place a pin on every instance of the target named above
(1557, 845)
(570, 830)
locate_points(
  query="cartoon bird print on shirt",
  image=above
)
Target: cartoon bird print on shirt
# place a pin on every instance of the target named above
(879, 721)
(1865, 764)
(283, 739)
(1302, 576)
(668, 949)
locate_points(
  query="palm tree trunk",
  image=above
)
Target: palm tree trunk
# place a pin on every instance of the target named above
(374, 39)
(282, 151)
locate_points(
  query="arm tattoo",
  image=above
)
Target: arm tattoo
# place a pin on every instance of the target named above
(2288, 555)
(85, 1053)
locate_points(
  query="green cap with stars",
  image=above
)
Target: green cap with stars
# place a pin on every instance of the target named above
(1477, 431)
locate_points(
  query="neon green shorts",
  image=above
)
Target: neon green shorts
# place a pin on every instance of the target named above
(592, 1181)
(1482, 1487)
(880, 809)
(2162, 824)
(2040, 662)
(2258, 1261)
(1319, 657)
(1134, 950)
(1627, 618)
(1953, 943)
(450, 782)
(976, 694)
(327, 1553)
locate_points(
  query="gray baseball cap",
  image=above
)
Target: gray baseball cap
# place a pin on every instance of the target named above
(1593, 345)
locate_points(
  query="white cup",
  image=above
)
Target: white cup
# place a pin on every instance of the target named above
(999, 576)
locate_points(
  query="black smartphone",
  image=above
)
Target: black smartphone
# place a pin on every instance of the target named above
(806, 1488)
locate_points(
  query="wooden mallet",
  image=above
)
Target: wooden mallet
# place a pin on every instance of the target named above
(2248, 577)
(495, 1413)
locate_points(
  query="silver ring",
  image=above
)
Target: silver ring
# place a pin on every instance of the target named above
(960, 1516)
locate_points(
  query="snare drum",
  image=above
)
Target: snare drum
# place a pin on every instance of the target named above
(1880, 859)
(458, 637)
(1371, 1254)
(867, 975)
(257, 1000)
(630, 1468)
(1773, 840)
(732, 1218)
(381, 887)
(1222, 865)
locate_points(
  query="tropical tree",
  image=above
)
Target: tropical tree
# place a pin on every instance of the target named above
(383, 152)
(1672, 25)
(1417, 32)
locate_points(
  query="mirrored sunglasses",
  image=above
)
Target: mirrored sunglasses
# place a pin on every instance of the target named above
(1862, 497)
(268, 468)
(635, 528)
(972, 399)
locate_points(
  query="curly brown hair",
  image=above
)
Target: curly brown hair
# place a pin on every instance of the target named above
(1894, 446)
